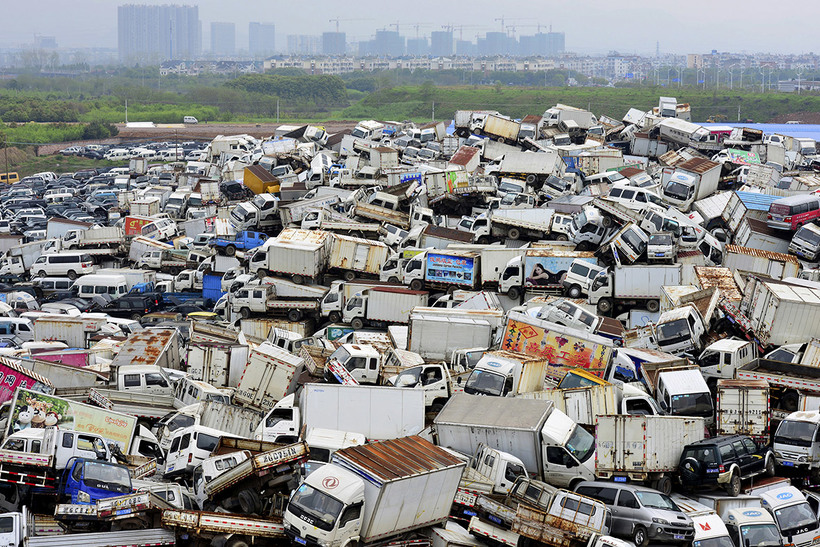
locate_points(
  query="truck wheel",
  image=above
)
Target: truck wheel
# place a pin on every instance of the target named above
(639, 536)
(502, 140)
(514, 293)
(294, 315)
(770, 471)
(249, 501)
(261, 272)
(663, 484)
(72, 274)
(652, 306)
(298, 279)
(789, 401)
(514, 233)
(357, 323)
(417, 284)
(41, 273)
(574, 291)
(483, 240)
(335, 317)
(230, 250)
(237, 542)
(604, 305)
(393, 279)
(350, 275)
(245, 313)
(606, 220)
(561, 237)
(733, 487)
(531, 179)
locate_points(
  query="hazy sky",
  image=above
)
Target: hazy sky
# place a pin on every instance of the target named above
(591, 26)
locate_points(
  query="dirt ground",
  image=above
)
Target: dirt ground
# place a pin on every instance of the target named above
(208, 131)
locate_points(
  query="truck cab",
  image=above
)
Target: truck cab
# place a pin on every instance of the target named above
(568, 451)
(434, 379)
(753, 525)
(795, 518)
(587, 229)
(211, 468)
(797, 442)
(148, 379)
(281, 424)
(505, 374)
(63, 444)
(680, 330)
(323, 443)
(86, 481)
(189, 447)
(685, 393)
(720, 359)
(362, 362)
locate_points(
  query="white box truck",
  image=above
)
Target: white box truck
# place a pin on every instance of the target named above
(303, 258)
(382, 306)
(781, 313)
(270, 375)
(436, 337)
(374, 492)
(643, 449)
(376, 412)
(354, 256)
(633, 286)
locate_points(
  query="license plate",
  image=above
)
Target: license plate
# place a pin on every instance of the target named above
(123, 511)
(787, 464)
(494, 518)
(660, 254)
(299, 540)
(679, 536)
(619, 479)
(470, 513)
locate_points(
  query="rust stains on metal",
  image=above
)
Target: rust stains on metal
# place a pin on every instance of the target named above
(698, 165)
(737, 249)
(399, 458)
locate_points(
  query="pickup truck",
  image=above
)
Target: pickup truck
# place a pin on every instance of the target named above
(786, 381)
(144, 406)
(253, 483)
(241, 241)
(131, 511)
(488, 472)
(382, 214)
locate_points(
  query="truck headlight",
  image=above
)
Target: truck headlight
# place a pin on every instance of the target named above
(83, 497)
(802, 459)
(777, 455)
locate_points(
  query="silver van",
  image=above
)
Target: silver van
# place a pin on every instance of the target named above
(641, 514)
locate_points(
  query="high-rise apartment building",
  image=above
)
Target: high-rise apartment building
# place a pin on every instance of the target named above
(158, 33)
(441, 43)
(261, 39)
(223, 39)
(334, 43)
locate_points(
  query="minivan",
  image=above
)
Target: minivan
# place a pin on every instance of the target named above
(191, 392)
(162, 229)
(190, 119)
(793, 212)
(113, 285)
(63, 264)
(636, 198)
(190, 446)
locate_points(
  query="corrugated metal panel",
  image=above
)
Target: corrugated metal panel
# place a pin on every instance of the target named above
(398, 458)
(463, 155)
(721, 278)
(698, 165)
(210, 281)
(756, 201)
(497, 412)
(294, 235)
(761, 254)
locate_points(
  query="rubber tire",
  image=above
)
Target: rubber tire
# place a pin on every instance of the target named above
(664, 485)
(653, 306)
(639, 536)
(606, 220)
(483, 240)
(770, 468)
(357, 323)
(561, 237)
(294, 315)
(41, 273)
(237, 542)
(514, 293)
(244, 313)
(335, 316)
(574, 292)
(230, 250)
(136, 316)
(299, 279)
(690, 476)
(514, 233)
(501, 140)
(789, 401)
(734, 485)
(349, 275)
(249, 501)
(72, 275)
(605, 305)
(416, 284)
(393, 279)
(531, 179)
(261, 272)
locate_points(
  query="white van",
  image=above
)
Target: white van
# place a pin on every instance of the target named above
(91, 284)
(21, 327)
(637, 198)
(68, 265)
(52, 284)
(117, 154)
(161, 229)
(190, 392)
(190, 446)
(189, 119)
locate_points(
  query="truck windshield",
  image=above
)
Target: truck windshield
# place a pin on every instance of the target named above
(809, 236)
(795, 518)
(673, 332)
(315, 507)
(578, 221)
(677, 190)
(359, 133)
(581, 444)
(482, 382)
(634, 241)
(760, 535)
(107, 476)
(795, 433)
(692, 404)
(239, 214)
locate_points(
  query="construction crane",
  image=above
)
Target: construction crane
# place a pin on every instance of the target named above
(508, 19)
(337, 21)
(460, 29)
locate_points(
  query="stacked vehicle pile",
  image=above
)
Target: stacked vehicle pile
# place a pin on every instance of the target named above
(498, 332)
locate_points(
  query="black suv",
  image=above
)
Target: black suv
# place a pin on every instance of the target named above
(131, 307)
(724, 462)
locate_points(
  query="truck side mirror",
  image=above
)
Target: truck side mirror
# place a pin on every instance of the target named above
(459, 380)
(664, 406)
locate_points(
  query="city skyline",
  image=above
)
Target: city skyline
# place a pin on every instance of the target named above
(637, 26)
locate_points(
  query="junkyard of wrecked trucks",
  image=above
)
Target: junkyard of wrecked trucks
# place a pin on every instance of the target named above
(562, 330)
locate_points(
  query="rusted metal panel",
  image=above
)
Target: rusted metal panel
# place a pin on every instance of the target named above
(399, 458)
(698, 165)
(762, 254)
